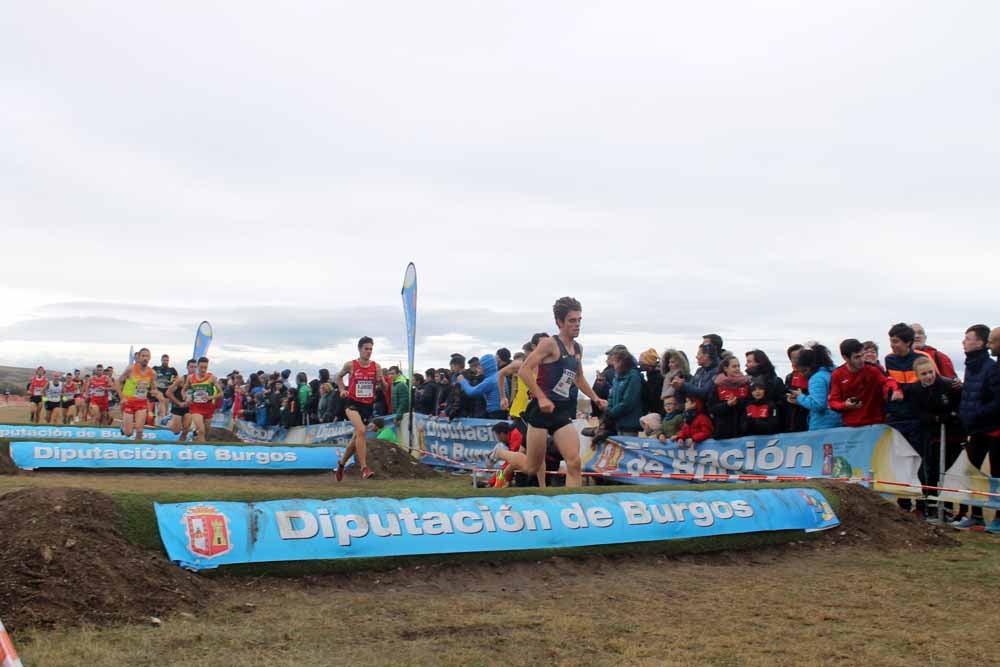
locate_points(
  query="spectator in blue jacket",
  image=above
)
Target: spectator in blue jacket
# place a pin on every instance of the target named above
(487, 388)
(625, 400)
(979, 411)
(816, 365)
(702, 384)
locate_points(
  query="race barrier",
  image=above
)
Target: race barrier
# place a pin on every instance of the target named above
(29, 455)
(339, 433)
(8, 656)
(205, 535)
(12, 431)
(878, 452)
(970, 485)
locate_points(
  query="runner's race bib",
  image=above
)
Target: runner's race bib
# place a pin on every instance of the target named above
(37, 391)
(364, 389)
(97, 392)
(200, 396)
(141, 389)
(565, 383)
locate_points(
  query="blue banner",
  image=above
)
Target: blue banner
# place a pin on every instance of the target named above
(32, 455)
(202, 339)
(339, 433)
(207, 534)
(459, 443)
(871, 451)
(11, 431)
(409, 294)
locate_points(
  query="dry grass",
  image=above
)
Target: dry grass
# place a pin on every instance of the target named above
(780, 608)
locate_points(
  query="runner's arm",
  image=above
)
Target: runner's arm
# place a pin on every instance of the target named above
(339, 377)
(172, 392)
(218, 390)
(584, 385)
(528, 370)
(120, 381)
(511, 368)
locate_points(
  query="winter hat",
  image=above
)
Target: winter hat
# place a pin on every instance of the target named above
(649, 358)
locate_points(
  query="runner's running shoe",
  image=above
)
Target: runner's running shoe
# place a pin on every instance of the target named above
(494, 454)
(366, 472)
(970, 523)
(340, 472)
(994, 526)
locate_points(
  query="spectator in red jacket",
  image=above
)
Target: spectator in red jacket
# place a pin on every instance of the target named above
(945, 367)
(859, 390)
(697, 426)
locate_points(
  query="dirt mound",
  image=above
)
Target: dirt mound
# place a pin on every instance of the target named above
(7, 466)
(390, 461)
(866, 518)
(221, 435)
(64, 562)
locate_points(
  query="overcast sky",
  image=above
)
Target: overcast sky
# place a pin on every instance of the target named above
(771, 171)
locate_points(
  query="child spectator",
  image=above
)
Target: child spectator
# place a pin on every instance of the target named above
(727, 404)
(760, 417)
(672, 421)
(697, 426)
(796, 418)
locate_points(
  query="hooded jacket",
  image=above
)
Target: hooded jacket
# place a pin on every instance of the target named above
(488, 387)
(625, 400)
(697, 426)
(400, 396)
(702, 383)
(816, 402)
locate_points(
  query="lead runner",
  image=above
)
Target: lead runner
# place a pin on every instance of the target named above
(365, 377)
(553, 406)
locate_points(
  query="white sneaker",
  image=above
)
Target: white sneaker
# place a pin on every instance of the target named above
(494, 454)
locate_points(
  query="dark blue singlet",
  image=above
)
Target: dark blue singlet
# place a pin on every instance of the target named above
(557, 379)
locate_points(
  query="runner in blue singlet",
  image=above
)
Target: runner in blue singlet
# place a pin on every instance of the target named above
(554, 393)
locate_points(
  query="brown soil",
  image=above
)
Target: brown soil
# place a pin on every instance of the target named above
(7, 466)
(866, 518)
(390, 461)
(63, 562)
(221, 435)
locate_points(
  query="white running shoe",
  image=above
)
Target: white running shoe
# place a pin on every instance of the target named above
(494, 454)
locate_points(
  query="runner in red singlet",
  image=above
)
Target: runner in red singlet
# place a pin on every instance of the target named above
(365, 378)
(97, 391)
(36, 390)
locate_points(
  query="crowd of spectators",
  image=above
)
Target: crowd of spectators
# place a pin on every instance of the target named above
(914, 389)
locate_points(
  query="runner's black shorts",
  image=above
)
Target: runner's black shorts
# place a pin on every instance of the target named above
(36, 399)
(178, 410)
(553, 421)
(363, 409)
(52, 405)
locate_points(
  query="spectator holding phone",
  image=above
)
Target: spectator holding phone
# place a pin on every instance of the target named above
(858, 390)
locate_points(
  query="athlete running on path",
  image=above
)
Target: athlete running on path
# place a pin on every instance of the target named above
(165, 376)
(180, 405)
(71, 388)
(205, 391)
(135, 386)
(36, 390)
(97, 393)
(365, 378)
(557, 363)
(53, 399)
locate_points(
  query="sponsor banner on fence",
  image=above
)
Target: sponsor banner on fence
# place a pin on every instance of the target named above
(839, 452)
(457, 443)
(11, 431)
(963, 475)
(339, 433)
(878, 451)
(32, 455)
(208, 534)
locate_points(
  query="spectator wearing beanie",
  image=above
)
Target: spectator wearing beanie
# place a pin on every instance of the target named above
(652, 388)
(760, 416)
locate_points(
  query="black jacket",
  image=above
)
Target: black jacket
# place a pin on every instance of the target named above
(980, 406)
